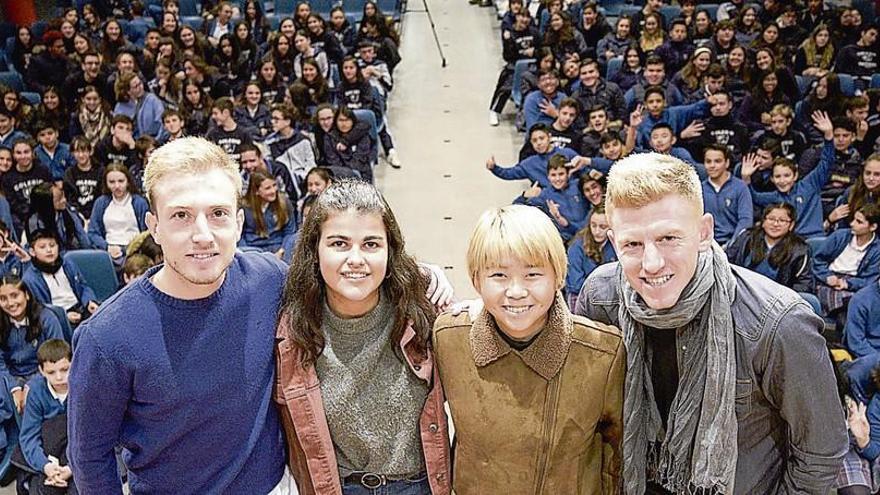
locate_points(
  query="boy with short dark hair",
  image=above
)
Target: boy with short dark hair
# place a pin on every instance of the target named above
(173, 124)
(57, 281)
(52, 153)
(8, 133)
(227, 134)
(43, 436)
(118, 147)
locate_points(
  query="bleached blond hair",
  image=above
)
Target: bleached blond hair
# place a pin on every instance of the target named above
(189, 155)
(643, 178)
(516, 232)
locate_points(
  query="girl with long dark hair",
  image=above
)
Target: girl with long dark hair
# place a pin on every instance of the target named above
(355, 324)
(255, 19)
(563, 38)
(774, 250)
(766, 94)
(349, 144)
(270, 82)
(342, 29)
(865, 191)
(269, 217)
(588, 249)
(24, 325)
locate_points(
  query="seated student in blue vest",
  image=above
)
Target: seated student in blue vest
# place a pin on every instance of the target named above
(588, 249)
(57, 281)
(563, 201)
(270, 222)
(862, 331)
(726, 197)
(803, 194)
(52, 153)
(24, 324)
(43, 435)
(848, 260)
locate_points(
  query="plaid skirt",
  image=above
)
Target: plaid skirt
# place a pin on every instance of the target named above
(832, 299)
(857, 471)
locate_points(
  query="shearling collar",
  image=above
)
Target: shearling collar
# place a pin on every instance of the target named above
(545, 356)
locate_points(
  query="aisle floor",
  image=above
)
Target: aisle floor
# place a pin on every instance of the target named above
(439, 119)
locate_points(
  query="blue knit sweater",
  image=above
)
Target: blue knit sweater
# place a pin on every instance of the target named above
(185, 387)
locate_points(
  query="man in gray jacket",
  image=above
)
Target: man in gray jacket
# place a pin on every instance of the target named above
(729, 387)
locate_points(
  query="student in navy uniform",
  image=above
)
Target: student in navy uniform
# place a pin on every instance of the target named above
(803, 194)
(355, 92)
(50, 210)
(288, 146)
(848, 260)
(861, 59)
(349, 144)
(726, 197)
(562, 201)
(588, 249)
(82, 182)
(533, 168)
(518, 41)
(270, 222)
(24, 324)
(52, 153)
(43, 434)
(866, 190)
(562, 132)
(118, 214)
(118, 147)
(792, 142)
(57, 281)
(594, 90)
(775, 251)
(540, 106)
(253, 112)
(252, 159)
(847, 164)
(173, 125)
(720, 128)
(862, 330)
(19, 180)
(8, 133)
(227, 133)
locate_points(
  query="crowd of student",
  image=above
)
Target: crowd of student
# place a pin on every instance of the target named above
(773, 106)
(296, 107)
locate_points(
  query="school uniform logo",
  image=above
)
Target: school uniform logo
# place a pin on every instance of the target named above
(728, 202)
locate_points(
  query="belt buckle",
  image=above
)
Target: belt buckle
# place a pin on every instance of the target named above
(372, 480)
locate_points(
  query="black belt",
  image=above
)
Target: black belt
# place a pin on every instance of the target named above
(373, 480)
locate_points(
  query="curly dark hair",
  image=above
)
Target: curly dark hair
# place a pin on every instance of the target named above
(304, 290)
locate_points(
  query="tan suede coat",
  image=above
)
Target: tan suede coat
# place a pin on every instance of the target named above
(547, 420)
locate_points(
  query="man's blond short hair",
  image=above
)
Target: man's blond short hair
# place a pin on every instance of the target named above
(186, 156)
(643, 178)
(516, 232)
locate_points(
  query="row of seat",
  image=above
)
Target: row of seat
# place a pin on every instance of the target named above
(847, 83)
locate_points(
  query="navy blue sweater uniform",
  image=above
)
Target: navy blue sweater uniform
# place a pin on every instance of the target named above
(41, 406)
(516, 45)
(19, 356)
(184, 386)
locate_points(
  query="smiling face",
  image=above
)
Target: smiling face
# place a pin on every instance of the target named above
(783, 178)
(194, 219)
(658, 246)
(589, 75)
(558, 177)
(776, 224)
(13, 301)
(871, 175)
(540, 142)
(268, 191)
(353, 260)
(518, 295)
(716, 164)
(592, 191)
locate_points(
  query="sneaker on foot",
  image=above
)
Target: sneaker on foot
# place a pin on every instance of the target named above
(493, 118)
(392, 158)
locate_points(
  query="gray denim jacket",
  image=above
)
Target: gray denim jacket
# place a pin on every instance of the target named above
(792, 430)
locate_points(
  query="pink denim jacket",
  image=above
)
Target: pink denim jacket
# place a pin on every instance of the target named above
(311, 457)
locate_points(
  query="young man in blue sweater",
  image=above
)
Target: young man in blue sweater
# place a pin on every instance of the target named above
(542, 106)
(726, 197)
(44, 422)
(177, 368)
(678, 117)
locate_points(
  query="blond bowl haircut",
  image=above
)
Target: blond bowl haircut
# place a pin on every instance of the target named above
(185, 156)
(519, 232)
(643, 178)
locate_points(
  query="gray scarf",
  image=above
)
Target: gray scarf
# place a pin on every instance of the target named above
(698, 451)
